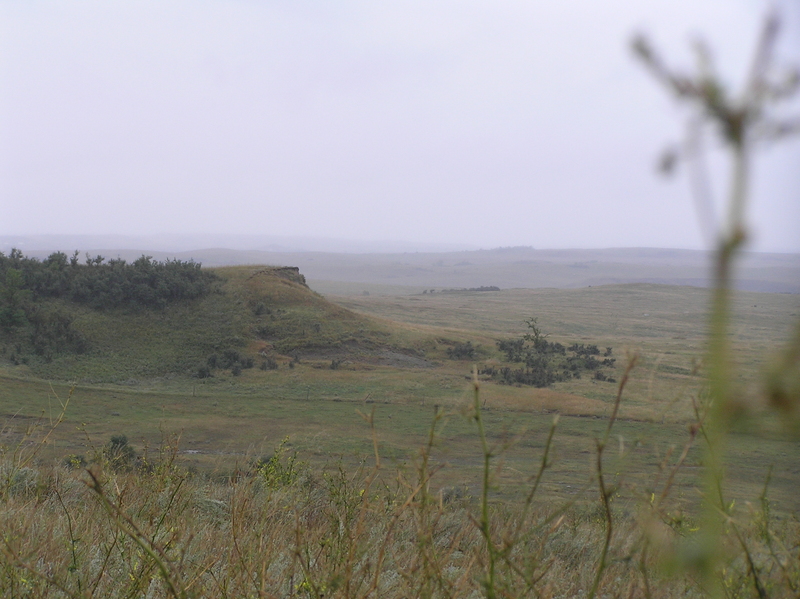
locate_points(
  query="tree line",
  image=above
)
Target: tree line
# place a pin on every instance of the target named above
(101, 284)
(25, 283)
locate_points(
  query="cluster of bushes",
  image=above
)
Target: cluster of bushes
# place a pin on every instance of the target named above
(46, 333)
(534, 375)
(546, 362)
(464, 290)
(52, 333)
(230, 359)
(97, 283)
(269, 363)
(44, 329)
(262, 309)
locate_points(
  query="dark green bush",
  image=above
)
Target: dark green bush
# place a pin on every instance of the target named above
(143, 284)
(269, 363)
(461, 351)
(547, 362)
(119, 454)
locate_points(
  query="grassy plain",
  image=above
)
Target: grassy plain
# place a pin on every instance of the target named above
(227, 420)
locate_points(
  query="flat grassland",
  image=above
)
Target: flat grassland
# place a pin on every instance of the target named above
(227, 421)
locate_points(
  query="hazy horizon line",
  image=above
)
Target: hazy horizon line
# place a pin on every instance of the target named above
(187, 242)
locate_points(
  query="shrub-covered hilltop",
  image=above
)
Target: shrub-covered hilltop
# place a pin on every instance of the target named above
(101, 320)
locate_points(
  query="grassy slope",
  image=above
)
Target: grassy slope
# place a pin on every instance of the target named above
(129, 347)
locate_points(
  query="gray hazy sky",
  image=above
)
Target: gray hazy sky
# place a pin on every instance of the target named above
(462, 122)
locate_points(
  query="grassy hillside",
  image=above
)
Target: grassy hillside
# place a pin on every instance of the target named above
(256, 313)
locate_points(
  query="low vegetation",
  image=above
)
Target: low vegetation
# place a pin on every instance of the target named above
(148, 319)
(547, 362)
(121, 522)
(96, 283)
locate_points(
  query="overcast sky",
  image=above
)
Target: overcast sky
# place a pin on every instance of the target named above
(464, 122)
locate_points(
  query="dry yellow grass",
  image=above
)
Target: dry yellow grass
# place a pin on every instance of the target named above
(284, 530)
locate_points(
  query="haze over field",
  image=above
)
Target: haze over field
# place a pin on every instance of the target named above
(447, 126)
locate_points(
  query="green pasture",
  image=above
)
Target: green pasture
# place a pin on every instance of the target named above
(225, 421)
(664, 325)
(221, 431)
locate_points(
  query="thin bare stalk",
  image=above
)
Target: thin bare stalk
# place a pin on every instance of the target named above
(605, 492)
(740, 122)
(128, 526)
(73, 542)
(484, 524)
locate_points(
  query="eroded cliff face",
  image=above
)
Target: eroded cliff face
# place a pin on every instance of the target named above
(290, 273)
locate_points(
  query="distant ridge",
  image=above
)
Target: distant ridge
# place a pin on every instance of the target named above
(184, 243)
(509, 267)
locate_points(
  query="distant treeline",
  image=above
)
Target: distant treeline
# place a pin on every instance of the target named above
(101, 284)
(463, 290)
(29, 325)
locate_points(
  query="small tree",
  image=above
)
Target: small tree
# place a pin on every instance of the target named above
(119, 454)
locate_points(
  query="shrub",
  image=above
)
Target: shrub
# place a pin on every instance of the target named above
(547, 362)
(118, 454)
(269, 363)
(461, 351)
(282, 468)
